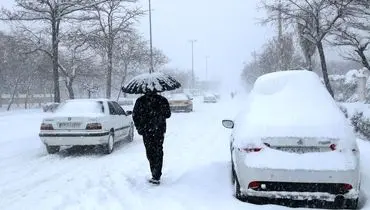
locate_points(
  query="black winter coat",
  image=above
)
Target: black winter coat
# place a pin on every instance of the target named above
(150, 114)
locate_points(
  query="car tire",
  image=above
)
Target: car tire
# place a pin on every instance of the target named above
(130, 136)
(237, 192)
(232, 173)
(52, 149)
(109, 147)
(351, 203)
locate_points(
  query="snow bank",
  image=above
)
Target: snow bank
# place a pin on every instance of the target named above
(291, 104)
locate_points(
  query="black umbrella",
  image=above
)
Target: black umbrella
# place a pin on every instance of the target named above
(151, 82)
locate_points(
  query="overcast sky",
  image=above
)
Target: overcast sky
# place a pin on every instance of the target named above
(226, 31)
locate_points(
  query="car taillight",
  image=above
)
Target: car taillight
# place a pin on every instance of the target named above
(45, 126)
(254, 185)
(93, 126)
(250, 149)
(333, 147)
(347, 187)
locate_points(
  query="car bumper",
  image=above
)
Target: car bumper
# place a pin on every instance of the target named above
(298, 184)
(181, 108)
(74, 139)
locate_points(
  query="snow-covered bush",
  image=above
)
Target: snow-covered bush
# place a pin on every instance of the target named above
(345, 86)
(344, 110)
(361, 124)
(368, 91)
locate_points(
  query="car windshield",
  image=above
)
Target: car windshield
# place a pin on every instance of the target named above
(80, 107)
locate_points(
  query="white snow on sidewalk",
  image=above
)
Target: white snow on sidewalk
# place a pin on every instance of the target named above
(195, 175)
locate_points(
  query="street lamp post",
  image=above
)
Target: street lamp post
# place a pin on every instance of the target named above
(151, 68)
(192, 63)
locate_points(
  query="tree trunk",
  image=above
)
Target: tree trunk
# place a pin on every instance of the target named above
(109, 71)
(309, 60)
(122, 81)
(55, 56)
(27, 95)
(364, 60)
(69, 86)
(324, 68)
(13, 94)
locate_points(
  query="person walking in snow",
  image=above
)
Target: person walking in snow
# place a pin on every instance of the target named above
(149, 115)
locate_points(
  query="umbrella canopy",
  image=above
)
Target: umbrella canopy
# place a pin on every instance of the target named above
(151, 82)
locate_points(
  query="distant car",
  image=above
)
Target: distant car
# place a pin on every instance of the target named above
(50, 107)
(292, 144)
(180, 102)
(209, 98)
(127, 103)
(86, 122)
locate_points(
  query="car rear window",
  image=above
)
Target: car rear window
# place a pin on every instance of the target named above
(179, 97)
(81, 107)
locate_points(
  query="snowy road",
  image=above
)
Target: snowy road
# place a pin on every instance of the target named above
(196, 168)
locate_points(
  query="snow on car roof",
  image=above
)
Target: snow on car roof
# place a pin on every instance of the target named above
(291, 104)
(80, 107)
(209, 95)
(179, 96)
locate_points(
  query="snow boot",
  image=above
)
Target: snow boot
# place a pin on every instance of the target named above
(154, 181)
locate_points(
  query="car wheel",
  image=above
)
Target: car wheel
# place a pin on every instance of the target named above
(351, 203)
(232, 172)
(109, 147)
(130, 136)
(237, 192)
(52, 149)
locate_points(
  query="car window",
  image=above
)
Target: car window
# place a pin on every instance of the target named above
(101, 106)
(118, 108)
(112, 109)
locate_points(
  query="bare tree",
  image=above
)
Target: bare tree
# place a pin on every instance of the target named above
(51, 13)
(110, 20)
(75, 58)
(276, 53)
(356, 33)
(359, 44)
(325, 15)
(308, 47)
(132, 56)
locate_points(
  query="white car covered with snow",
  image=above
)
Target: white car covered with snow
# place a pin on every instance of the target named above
(292, 143)
(209, 98)
(86, 122)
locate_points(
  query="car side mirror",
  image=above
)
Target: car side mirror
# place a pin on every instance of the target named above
(129, 112)
(228, 124)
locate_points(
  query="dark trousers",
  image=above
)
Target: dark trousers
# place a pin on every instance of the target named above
(154, 152)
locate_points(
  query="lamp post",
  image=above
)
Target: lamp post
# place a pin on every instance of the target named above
(151, 69)
(192, 63)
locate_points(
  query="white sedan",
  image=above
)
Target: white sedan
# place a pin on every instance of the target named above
(293, 145)
(86, 122)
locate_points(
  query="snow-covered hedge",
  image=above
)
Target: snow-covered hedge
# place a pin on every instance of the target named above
(361, 124)
(345, 86)
(360, 120)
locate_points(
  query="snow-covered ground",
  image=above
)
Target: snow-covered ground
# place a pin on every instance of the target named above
(196, 168)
